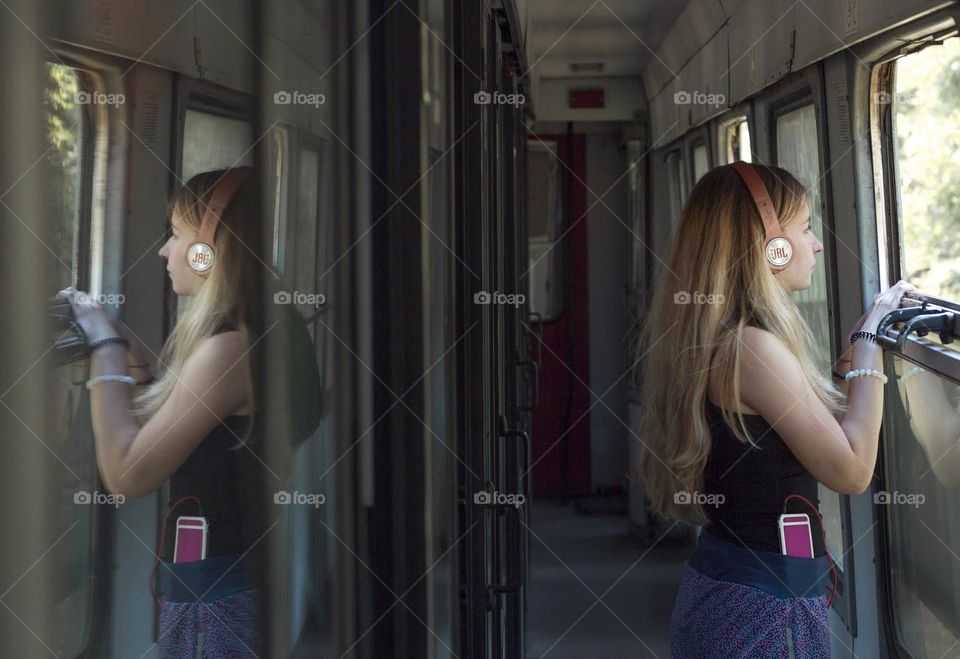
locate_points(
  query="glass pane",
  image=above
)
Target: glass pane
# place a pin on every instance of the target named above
(921, 504)
(742, 144)
(927, 128)
(544, 206)
(701, 161)
(64, 133)
(211, 141)
(276, 195)
(735, 141)
(675, 178)
(798, 153)
(305, 235)
(71, 440)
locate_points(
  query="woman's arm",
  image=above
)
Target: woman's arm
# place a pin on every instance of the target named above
(214, 383)
(134, 460)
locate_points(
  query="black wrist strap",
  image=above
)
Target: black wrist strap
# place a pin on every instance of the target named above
(856, 336)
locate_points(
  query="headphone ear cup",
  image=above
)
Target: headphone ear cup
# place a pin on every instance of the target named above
(779, 252)
(200, 257)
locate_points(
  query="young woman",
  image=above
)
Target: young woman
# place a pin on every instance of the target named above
(739, 426)
(193, 425)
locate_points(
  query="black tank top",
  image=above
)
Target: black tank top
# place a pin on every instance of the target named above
(754, 483)
(219, 478)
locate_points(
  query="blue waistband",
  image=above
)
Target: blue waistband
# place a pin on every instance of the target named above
(209, 579)
(781, 576)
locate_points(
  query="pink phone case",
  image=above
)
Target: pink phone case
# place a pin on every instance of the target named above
(191, 542)
(795, 536)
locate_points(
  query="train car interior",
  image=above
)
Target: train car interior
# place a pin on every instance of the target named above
(465, 210)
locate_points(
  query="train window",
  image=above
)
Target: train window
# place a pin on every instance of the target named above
(211, 141)
(635, 205)
(735, 141)
(798, 151)
(701, 161)
(927, 148)
(277, 194)
(545, 217)
(305, 233)
(921, 506)
(64, 128)
(678, 192)
(71, 439)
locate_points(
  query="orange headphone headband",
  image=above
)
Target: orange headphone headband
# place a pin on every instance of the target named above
(201, 255)
(777, 247)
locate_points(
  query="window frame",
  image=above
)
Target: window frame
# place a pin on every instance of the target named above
(722, 125)
(693, 139)
(885, 170)
(100, 566)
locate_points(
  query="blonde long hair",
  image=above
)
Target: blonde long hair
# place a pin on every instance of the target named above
(224, 299)
(717, 249)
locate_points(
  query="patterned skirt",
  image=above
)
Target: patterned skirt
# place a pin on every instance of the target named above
(739, 602)
(209, 609)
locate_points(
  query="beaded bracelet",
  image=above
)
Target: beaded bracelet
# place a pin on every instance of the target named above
(866, 372)
(110, 378)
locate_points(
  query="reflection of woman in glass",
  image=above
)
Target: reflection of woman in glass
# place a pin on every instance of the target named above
(934, 420)
(193, 425)
(738, 423)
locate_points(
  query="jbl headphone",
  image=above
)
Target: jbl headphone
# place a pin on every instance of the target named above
(777, 247)
(201, 255)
